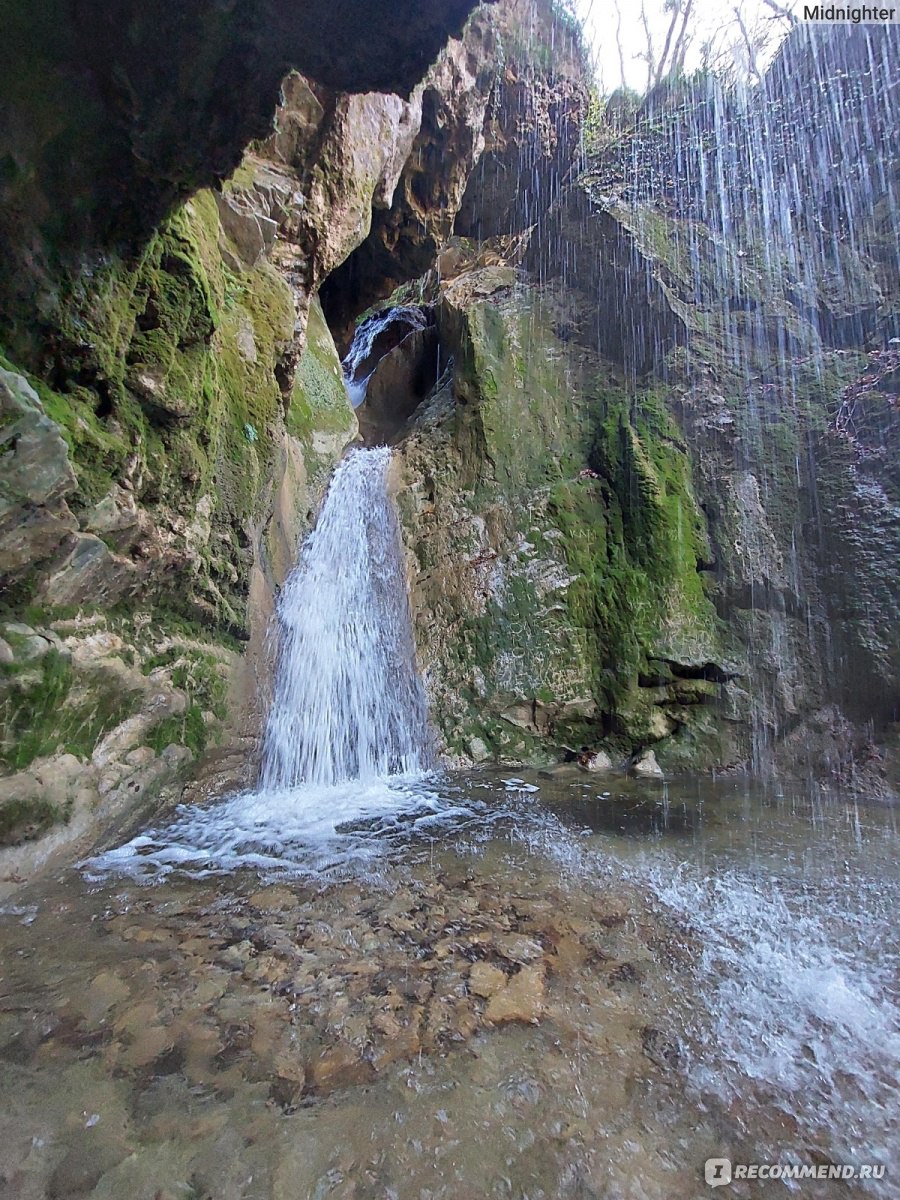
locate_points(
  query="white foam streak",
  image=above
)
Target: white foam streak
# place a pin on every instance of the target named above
(348, 700)
(798, 1010)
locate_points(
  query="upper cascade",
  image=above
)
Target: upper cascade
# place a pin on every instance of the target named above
(348, 701)
(376, 337)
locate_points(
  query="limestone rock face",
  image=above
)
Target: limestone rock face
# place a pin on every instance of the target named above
(111, 118)
(304, 197)
(533, 128)
(37, 477)
(89, 574)
(89, 735)
(542, 511)
(416, 216)
(762, 403)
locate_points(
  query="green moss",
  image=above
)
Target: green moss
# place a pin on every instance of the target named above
(189, 730)
(165, 373)
(161, 365)
(571, 496)
(196, 672)
(319, 401)
(633, 536)
(45, 708)
(531, 425)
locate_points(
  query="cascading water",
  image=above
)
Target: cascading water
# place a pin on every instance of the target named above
(347, 745)
(348, 701)
(375, 338)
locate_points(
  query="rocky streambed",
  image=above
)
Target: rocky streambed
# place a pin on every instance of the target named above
(525, 998)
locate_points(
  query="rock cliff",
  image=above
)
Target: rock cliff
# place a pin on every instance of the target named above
(172, 400)
(653, 505)
(650, 502)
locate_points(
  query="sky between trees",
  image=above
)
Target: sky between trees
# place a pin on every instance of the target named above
(734, 37)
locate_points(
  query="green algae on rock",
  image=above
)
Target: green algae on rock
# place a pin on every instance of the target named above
(568, 503)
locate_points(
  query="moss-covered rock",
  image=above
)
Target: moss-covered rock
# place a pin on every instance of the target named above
(558, 544)
(97, 713)
(145, 446)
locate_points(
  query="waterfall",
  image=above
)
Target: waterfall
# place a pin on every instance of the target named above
(347, 745)
(348, 701)
(375, 338)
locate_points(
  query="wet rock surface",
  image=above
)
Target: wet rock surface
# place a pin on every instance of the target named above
(205, 1013)
(146, 106)
(101, 714)
(37, 476)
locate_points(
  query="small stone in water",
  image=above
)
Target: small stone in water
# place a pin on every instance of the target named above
(485, 980)
(521, 1000)
(660, 1048)
(341, 1066)
(517, 948)
(273, 899)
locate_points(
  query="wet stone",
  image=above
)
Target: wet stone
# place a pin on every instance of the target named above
(661, 1048)
(149, 1045)
(338, 1067)
(522, 999)
(518, 949)
(83, 1166)
(624, 974)
(235, 957)
(485, 980)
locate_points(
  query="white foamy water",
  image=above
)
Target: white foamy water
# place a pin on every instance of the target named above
(799, 1006)
(362, 358)
(791, 1020)
(347, 751)
(348, 702)
(314, 830)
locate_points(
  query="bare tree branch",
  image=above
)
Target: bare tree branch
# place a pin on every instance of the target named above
(781, 11)
(683, 41)
(619, 42)
(752, 64)
(661, 65)
(651, 57)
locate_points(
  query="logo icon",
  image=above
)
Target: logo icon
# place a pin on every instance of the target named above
(717, 1171)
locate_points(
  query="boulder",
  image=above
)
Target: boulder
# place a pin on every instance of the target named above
(647, 766)
(37, 476)
(595, 761)
(88, 572)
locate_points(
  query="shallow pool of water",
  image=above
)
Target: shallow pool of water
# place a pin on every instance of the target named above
(464, 986)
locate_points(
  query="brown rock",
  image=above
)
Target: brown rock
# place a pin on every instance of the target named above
(406, 1044)
(517, 948)
(485, 980)
(149, 1044)
(521, 1000)
(288, 1066)
(569, 955)
(37, 475)
(273, 899)
(106, 991)
(387, 1024)
(339, 1066)
(463, 1020)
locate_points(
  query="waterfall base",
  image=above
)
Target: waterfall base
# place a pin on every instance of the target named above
(571, 988)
